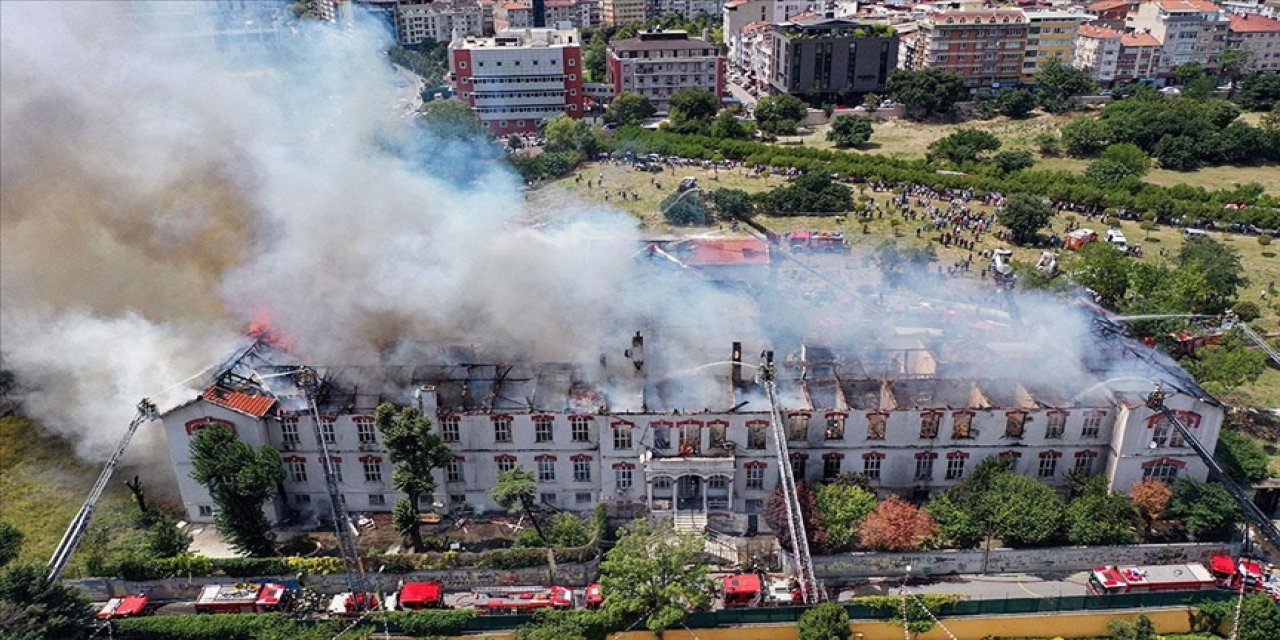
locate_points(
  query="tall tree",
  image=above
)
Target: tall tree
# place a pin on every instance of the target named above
(516, 491)
(927, 92)
(416, 451)
(654, 573)
(1234, 62)
(563, 133)
(1151, 497)
(958, 526)
(1025, 215)
(629, 108)
(895, 525)
(692, 109)
(1224, 367)
(963, 146)
(594, 58)
(1242, 458)
(827, 621)
(727, 125)
(1099, 517)
(240, 479)
(1259, 618)
(841, 508)
(1103, 270)
(1016, 103)
(850, 131)
(1205, 509)
(450, 119)
(780, 114)
(1024, 512)
(1057, 83)
(165, 540)
(35, 608)
(1222, 270)
(775, 516)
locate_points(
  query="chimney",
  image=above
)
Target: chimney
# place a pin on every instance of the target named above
(539, 13)
(636, 352)
(736, 358)
(427, 400)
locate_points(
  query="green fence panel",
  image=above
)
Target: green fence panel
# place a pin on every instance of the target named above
(494, 623)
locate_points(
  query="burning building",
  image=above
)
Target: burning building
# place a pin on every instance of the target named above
(914, 411)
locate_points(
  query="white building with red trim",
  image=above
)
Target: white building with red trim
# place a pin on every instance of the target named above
(517, 79)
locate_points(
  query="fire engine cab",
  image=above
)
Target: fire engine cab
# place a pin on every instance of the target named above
(595, 596)
(418, 595)
(817, 241)
(1243, 574)
(245, 597)
(125, 607)
(755, 590)
(1108, 580)
(517, 600)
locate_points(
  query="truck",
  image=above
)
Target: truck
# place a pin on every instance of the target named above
(1002, 268)
(1079, 238)
(243, 597)
(1111, 579)
(414, 596)
(1241, 574)
(1115, 238)
(124, 607)
(817, 242)
(742, 590)
(522, 600)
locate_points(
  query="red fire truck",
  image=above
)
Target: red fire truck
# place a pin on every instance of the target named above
(1236, 574)
(595, 597)
(516, 600)
(245, 597)
(1110, 579)
(125, 607)
(817, 241)
(757, 590)
(420, 595)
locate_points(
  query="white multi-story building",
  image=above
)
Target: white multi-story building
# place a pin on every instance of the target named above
(688, 9)
(1111, 57)
(438, 20)
(1260, 36)
(518, 14)
(517, 79)
(901, 414)
(1188, 30)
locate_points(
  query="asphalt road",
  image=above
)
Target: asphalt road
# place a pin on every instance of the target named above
(982, 587)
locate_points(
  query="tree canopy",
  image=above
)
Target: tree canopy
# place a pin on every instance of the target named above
(563, 133)
(1099, 517)
(732, 204)
(1016, 103)
(655, 573)
(1024, 216)
(1241, 457)
(630, 108)
(963, 146)
(780, 114)
(927, 92)
(34, 608)
(416, 451)
(810, 193)
(895, 525)
(841, 508)
(1206, 510)
(692, 109)
(240, 479)
(10, 543)
(450, 119)
(1057, 83)
(850, 131)
(827, 621)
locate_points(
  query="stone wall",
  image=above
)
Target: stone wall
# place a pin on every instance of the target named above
(462, 579)
(852, 566)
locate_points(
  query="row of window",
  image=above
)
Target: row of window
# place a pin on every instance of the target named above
(554, 62)
(371, 466)
(546, 467)
(366, 433)
(559, 79)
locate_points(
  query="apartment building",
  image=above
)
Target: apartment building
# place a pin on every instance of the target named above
(1051, 35)
(1111, 13)
(518, 14)
(631, 444)
(1260, 36)
(1113, 58)
(984, 47)
(656, 64)
(438, 20)
(688, 9)
(736, 15)
(830, 57)
(1188, 30)
(517, 79)
(616, 13)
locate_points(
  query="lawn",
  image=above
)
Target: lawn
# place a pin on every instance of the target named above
(43, 484)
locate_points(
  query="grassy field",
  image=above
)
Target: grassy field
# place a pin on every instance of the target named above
(43, 484)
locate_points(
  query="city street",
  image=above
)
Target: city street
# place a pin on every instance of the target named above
(977, 587)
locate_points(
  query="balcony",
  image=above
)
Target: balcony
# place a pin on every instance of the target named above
(700, 465)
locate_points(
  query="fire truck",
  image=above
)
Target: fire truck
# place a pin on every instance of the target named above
(817, 242)
(1111, 579)
(518, 600)
(351, 604)
(244, 597)
(1243, 574)
(757, 590)
(125, 607)
(594, 597)
(418, 595)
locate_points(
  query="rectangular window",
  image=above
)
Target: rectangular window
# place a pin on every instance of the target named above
(755, 477)
(622, 478)
(582, 470)
(955, 467)
(876, 426)
(1055, 425)
(835, 427)
(582, 497)
(301, 498)
(661, 438)
(1084, 464)
(289, 430)
(206, 511)
(961, 426)
(547, 498)
(335, 465)
(365, 431)
(372, 470)
(830, 467)
(505, 463)
(546, 470)
(690, 439)
(581, 428)
(543, 429)
(458, 498)
(1165, 434)
(326, 431)
(798, 427)
(799, 466)
(1048, 466)
(1014, 424)
(1162, 471)
(718, 435)
(929, 423)
(756, 435)
(377, 500)
(298, 470)
(1092, 424)
(453, 472)
(924, 468)
(502, 429)
(871, 467)
(449, 429)
(622, 438)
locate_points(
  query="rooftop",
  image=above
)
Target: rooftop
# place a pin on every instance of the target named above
(1253, 24)
(660, 41)
(1099, 31)
(1108, 5)
(1176, 6)
(1140, 40)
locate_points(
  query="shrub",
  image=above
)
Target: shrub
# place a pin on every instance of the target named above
(446, 622)
(1247, 311)
(1264, 240)
(228, 626)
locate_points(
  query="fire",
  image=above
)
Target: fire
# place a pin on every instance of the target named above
(260, 328)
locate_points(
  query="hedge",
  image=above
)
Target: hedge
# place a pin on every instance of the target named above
(230, 626)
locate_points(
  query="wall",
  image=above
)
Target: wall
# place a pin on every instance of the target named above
(1057, 559)
(576, 575)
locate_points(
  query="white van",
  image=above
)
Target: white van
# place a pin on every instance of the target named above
(1188, 234)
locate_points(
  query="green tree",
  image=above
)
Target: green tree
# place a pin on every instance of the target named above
(416, 451)
(1205, 509)
(958, 526)
(594, 57)
(1048, 144)
(1260, 92)
(927, 92)
(780, 114)
(871, 102)
(1085, 136)
(1179, 153)
(515, 491)
(1016, 160)
(827, 621)
(1099, 517)
(240, 479)
(630, 108)
(685, 208)
(563, 530)
(1241, 144)
(10, 543)
(850, 131)
(727, 125)
(1234, 61)
(450, 119)
(840, 509)
(963, 146)
(1103, 270)
(563, 133)
(1241, 457)
(810, 193)
(1016, 103)
(1025, 216)
(1024, 512)
(1222, 270)
(1228, 365)
(1259, 618)
(692, 109)
(654, 573)
(733, 204)
(34, 608)
(514, 142)
(1057, 83)
(1140, 629)
(165, 540)
(1129, 156)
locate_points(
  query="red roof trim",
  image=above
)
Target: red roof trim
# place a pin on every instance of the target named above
(837, 414)
(546, 457)
(834, 455)
(289, 459)
(1009, 454)
(686, 423)
(1086, 454)
(755, 464)
(1164, 461)
(539, 417)
(506, 457)
(658, 424)
(757, 423)
(624, 465)
(873, 454)
(717, 423)
(964, 412)
(499, 417)
(370, 458)
(580, 457)
(622, 423)
(927, 454)
(957, 454)
(799, 455)
(192, 426)
(1050, 454)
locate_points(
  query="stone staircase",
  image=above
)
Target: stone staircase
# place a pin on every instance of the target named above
(691, 522)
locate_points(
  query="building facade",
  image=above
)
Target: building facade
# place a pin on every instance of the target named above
(657, 64)
(1258, 35)
(1051, 35)
(1113, 58)
(687, 9)
(616, 13)
(575, 14)
(984, 47)
(1188, 30)
(831, 57)
(1111, 13)
(515, 80)
(438, 20)
(737, 15)
(907, 430)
